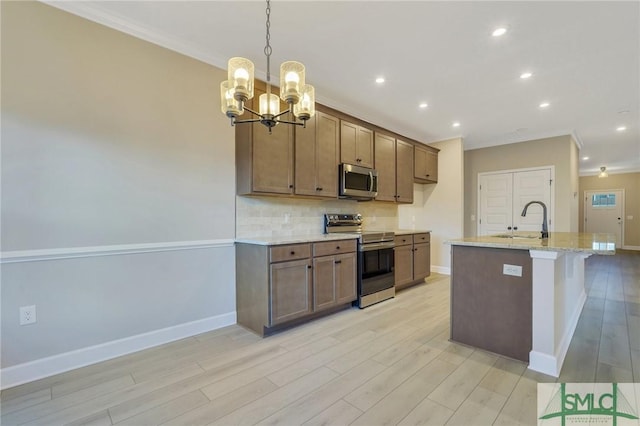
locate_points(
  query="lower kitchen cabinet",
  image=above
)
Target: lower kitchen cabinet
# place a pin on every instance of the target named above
(282, 284)
(412, 258)
(290, 293)
(334, 280)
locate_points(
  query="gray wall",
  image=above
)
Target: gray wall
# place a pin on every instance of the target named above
(108, 141)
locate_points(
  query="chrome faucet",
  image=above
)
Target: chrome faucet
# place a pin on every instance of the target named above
(545, 231)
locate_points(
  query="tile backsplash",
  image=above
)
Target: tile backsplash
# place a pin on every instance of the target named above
(275, 216)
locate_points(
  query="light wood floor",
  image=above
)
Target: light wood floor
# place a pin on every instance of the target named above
(388, 364)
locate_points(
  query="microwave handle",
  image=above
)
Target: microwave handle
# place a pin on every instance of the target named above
(370, 181)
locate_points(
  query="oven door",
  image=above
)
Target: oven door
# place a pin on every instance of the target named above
(375, 268)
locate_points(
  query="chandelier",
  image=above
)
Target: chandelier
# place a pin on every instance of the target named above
(238, 89)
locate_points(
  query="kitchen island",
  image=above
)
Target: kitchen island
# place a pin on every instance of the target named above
(521, 296)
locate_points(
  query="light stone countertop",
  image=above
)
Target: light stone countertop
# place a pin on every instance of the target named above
(296, 239)
(557, 241)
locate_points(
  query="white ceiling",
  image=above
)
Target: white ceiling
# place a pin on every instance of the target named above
(584, 56)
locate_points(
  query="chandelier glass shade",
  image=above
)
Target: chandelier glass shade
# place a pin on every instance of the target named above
(238, 89)
(603, 172)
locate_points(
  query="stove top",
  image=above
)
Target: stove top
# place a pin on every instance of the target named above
(352, 223)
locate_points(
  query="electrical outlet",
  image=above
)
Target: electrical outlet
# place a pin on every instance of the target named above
(513, 270)
(27, 315)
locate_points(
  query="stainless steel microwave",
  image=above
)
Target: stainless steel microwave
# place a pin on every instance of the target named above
(358, 183)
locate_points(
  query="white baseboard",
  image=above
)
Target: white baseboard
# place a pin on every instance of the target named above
(45, 367)
(631, 247)
(441, 269)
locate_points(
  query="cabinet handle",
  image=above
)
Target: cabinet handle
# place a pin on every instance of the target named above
(427, 175)
(337, 261)
(404, 241)
(319, 188)
(308, 266)
(290, 186)
(337, 247)
(515, 228)
(292, 252)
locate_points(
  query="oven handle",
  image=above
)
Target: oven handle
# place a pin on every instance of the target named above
(376, 246)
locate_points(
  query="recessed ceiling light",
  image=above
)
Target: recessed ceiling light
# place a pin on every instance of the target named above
(423, 105)
(621, 128)
(526, 75)
(455, 124)
(544, 105)
(499, 31)
(585, 158)
(380, 80)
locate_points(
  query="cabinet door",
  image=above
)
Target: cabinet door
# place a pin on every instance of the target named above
(432, 166)
(290, 290)
(404, 171)
(385, 164)
(327, 143)
(421, 261)
(324, 289)
(345, 276)
(272, 156)
(364, 147)
(426, 165)
(356, 144)
(403, 264)
(305, 158)
(348, 144)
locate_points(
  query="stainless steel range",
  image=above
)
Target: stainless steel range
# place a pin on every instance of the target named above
(375, 257)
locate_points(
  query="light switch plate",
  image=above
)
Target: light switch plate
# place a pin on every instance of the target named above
(513, 270)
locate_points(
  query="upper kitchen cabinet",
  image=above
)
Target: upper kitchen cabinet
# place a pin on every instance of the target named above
(356, 144)
(264, 162)
(394, 164)
(317, 156)
(426, 164)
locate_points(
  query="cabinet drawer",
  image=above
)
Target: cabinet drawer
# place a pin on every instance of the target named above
(289, 252)
(403, 240)
(334, 247)
(421, 238)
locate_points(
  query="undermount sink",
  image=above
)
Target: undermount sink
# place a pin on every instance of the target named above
(517, 237)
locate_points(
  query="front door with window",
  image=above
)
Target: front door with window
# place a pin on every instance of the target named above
(603, 213)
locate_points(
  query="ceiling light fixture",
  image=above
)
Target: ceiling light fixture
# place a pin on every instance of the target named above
(380, 80)
(525, 75)
(423, 105)
(456, 124)
(585, 158)
(544, 105)
(498, 32)
(621, 128)
(238, 89)
(603, 172)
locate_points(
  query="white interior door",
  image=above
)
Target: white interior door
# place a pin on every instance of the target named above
(603, 213)
(534, 185)
(503, 195)
(496, 200)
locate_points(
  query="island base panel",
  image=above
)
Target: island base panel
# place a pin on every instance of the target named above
(491, 310)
